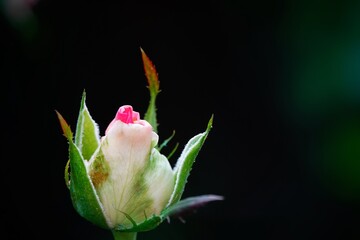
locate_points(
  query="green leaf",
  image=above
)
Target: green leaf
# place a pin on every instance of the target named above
(82, 191)
(184, 163)
(189, 204)
(87, 132)
(154, 88)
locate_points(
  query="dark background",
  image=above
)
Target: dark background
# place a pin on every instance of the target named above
(282, 79)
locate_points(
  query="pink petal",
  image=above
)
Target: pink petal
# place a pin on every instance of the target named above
(126, 114)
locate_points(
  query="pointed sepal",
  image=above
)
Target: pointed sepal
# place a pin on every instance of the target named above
(164, 144)
(178, 210)
(87, 137)
(186, 160)
(64, 127)
(154, 88)
(147, 225)
(82, 191)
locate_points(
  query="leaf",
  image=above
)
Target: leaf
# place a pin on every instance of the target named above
(87, 137)
(184, 163)
(154, 88)
(190, 204)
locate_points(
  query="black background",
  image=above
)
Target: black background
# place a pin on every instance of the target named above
(234, 59)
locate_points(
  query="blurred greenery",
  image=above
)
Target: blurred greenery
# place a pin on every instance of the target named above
(325, 89)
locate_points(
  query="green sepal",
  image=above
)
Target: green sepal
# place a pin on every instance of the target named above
(87, 137)
(64, 126)
(165, 142)
(175, 210)
(82, 191)
(67, 174)
(147, 225)
(184, 163)
(150, 115)
(172, 151)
